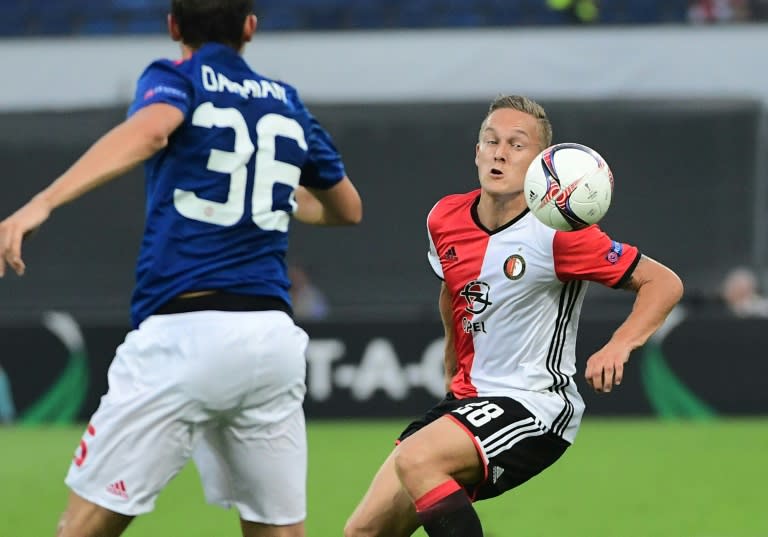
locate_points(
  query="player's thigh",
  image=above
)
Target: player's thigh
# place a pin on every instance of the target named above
(86, 519)
(443, 447)
(386, 510)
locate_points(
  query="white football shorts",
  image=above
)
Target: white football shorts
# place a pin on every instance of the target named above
(224, 388)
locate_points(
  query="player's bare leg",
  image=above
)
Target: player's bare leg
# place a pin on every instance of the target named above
(254, 529)
(433, 465)
(85, 519)
(440, 451)
(386, 510)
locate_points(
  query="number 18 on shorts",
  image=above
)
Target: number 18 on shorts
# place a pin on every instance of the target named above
(513, 444)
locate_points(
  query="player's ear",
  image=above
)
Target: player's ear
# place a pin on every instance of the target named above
(249, 27)
(173, 28)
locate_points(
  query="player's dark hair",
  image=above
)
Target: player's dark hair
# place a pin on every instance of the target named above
(528, 106)
(211, 21)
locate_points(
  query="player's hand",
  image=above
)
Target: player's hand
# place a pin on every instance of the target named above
(13, 230)
(605, 368)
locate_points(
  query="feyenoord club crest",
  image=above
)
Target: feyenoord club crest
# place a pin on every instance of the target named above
(514, 267)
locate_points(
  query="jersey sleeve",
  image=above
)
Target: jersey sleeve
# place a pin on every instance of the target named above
(161, 82)
(432, 256)
(324, 167)
(590, 254)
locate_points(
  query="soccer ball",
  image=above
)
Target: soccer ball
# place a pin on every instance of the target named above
(568, 186)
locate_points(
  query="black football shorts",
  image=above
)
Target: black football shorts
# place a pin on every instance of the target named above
(513, 445)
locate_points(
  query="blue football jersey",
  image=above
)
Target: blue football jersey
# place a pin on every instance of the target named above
(220, 195)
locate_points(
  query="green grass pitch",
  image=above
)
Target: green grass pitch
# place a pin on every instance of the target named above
(622, 478)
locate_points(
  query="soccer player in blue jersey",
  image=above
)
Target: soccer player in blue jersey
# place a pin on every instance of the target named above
(214, 367)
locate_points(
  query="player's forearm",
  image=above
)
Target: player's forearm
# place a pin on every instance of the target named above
(338, 206)
(116, 152)
(653, 303)
(309, 210)
(312, 212)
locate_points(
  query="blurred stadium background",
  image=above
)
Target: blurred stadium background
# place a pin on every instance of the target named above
(673, 93)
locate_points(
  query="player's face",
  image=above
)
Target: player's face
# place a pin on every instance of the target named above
(508, 142)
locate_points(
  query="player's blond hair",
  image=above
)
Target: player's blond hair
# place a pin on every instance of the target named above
(528, 106)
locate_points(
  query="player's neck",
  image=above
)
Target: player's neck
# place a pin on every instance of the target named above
(496, 211)
(187, 51)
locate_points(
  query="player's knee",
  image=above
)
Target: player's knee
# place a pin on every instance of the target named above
(409, 462)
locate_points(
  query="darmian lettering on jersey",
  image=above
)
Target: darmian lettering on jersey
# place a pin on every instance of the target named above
(256, 89)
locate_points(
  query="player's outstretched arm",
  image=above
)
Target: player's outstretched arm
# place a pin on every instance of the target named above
(119, 150)
(340, 205)
(658, 290)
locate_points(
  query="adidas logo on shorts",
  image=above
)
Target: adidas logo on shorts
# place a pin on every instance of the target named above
(497, 471)
(118, 489)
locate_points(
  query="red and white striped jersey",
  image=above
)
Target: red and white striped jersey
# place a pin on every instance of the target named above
(517, 293)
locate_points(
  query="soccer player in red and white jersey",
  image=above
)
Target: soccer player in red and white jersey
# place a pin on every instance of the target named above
(510, 301)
